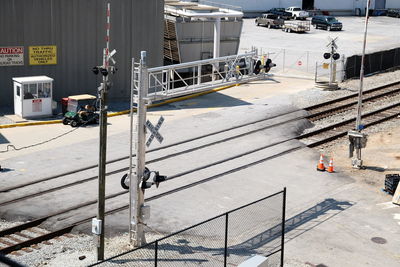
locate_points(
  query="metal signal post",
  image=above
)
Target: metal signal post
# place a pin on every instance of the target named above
(136, 192)
(105, 70)
(138, 173)
(357, 139)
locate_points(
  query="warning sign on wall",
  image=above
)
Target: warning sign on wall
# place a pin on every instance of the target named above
(37, 105)
(43, 55)
(12, 56)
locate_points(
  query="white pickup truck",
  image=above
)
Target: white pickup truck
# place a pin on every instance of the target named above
(297, 13)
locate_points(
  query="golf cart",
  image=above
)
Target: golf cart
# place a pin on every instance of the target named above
(81, 109)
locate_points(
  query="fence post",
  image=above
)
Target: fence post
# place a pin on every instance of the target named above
(343, 68)
(156, 254)
(283, 226)
(283, 64)
(316, 71)
(226, 239)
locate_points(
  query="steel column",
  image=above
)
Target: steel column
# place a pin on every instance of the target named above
(137, 236)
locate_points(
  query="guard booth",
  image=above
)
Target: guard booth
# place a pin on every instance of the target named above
(33, 96)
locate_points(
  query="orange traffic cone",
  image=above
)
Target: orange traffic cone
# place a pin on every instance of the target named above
(330, 167)
(321, 166)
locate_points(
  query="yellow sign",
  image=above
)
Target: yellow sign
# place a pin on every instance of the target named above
(43, 55)
(325, 66)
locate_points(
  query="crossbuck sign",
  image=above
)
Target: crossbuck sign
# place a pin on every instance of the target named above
(154, 131)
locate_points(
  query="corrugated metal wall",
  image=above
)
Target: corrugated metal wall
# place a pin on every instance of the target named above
(196, 39)
(77, 28)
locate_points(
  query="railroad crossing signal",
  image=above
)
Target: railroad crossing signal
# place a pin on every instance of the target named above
(332, 42)
(154, 131)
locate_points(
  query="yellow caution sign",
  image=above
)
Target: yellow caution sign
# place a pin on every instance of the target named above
(325, 66)
(43, 55)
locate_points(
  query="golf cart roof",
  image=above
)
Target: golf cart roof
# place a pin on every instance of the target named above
(82, 97)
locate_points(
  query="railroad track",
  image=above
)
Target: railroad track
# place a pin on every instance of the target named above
(18, 237)
(316, 112)
(349, 102)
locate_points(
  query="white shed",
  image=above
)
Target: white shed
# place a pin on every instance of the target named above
(33, 96)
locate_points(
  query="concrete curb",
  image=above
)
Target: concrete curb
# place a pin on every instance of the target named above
(23, 124)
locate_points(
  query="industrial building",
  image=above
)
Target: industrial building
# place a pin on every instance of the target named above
(344, 7)
(64, 40)
(195, 31)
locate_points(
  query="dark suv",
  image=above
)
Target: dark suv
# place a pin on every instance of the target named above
(326, 22)
(280, 12)
(394, 13)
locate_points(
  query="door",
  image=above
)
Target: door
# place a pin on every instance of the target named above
(308, 5)
(18, 95)
(380, 4)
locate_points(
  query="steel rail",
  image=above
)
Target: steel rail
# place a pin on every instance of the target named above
(349, 106)
(148, 151)
(53, 189)
(172, 191)
(216, 142)
(310, 108)
(351, 96)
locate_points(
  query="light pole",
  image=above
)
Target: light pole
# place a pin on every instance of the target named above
(358, 121)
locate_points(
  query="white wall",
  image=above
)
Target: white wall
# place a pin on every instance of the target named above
(392, 3)
(263, 5)
(334, 4)
(258, 5)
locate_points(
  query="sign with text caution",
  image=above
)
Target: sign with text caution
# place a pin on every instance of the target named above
(12, 56)
(154, 131)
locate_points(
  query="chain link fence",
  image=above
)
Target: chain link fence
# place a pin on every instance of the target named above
(292, 62)
(228, 239)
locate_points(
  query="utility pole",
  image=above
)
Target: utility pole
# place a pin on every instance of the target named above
(358, 140)
(105, 70)
(136, 191)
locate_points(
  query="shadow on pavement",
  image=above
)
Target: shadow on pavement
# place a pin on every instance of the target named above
(266, 243)
(380, 169)
(3, 140)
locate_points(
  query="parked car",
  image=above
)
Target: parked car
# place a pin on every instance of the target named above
(393, 13)
(280, 12)
(269, 20)
(327, 23)
(297, 12)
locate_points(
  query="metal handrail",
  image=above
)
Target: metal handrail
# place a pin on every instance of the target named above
(192, 77)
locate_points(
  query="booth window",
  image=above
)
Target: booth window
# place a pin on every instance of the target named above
(40, 90)
(27, 92)
(46, 89)
(18, 90)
